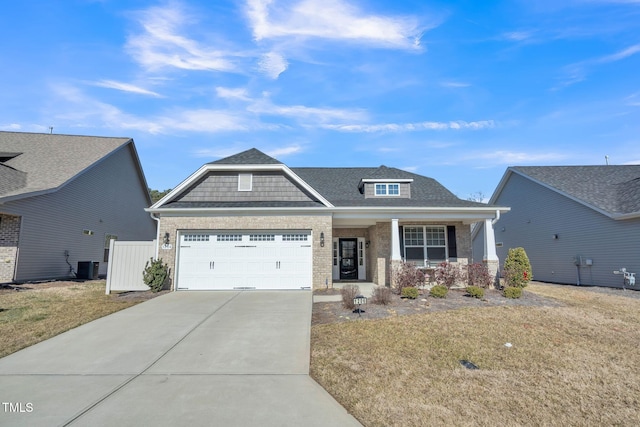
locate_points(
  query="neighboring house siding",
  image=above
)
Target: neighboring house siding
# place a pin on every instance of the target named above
(316, 223)
(537, 213)
(109, 198)
(9, 237)
(223, 187)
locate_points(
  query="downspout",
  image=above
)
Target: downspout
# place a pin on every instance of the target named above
(497, 218)
(157, 220)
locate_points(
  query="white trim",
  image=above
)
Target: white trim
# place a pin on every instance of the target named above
(386, 189)
(393, 181)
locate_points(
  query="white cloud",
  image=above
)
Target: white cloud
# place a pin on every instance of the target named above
(162, 43)
(284, 151)
(412, 127)
(273, 64)
(516, 157)
(302, 112)
(331, 19)
(11, 126)
(454, 84)
(624, 53)
(126, 87)
(577, 72)
(518, 35)
(235, 93)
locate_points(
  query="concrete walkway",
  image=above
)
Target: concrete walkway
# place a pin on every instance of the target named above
(185, 358)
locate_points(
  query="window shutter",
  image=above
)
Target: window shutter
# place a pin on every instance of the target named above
(401, 241)
(245, 182)
(451, 241)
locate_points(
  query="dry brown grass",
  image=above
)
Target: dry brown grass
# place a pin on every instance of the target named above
(31, 316)
(571, 365)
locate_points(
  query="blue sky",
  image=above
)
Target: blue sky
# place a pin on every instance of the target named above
(454, 90)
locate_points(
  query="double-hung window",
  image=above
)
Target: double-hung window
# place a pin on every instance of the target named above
(387, 189)
(424, 244)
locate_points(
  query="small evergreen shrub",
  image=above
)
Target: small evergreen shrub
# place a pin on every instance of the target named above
(448, 274)
(475, 291)
(439, 291)
(155, 274)
(478, 275)
(512, 292)
(407, 275)
(409, 292)
(381, 295)
(349, 292)
(517, 268)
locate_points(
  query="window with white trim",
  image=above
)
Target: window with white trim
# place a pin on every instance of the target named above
(262, 237)
(387, 189)
(295, 237)
(196, 238)
(425, 244)
(229, 237)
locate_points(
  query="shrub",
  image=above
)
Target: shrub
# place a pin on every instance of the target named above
(512, 292)
(478, 275)
(448, 274)
(475, 291)
(517, 269)
(439, 291)
(155, 274)
(349, 292)
(381, 295)
(409, 292)
(407, 275)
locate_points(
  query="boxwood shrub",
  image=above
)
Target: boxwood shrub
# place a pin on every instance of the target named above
(439, 291)
(512, 292)
(475, 291)
(410, 292)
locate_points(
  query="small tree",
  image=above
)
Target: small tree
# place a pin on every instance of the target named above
(517, 269)
(349, 292)
(155, 274)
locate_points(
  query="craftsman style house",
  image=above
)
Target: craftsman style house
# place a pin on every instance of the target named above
(250, 222)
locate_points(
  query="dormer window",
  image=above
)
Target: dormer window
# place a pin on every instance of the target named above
(387, 189)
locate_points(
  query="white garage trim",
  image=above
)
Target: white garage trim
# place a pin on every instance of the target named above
(244, 259)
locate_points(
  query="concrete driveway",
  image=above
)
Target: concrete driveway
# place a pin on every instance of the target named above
(185, 358)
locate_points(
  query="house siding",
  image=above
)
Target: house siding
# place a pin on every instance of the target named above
(109, 198)
(321, 269)
(370, 190)
(9, 238)
(538, 213)
(223, 187)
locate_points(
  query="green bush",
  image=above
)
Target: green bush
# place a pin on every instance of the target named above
(439, 291)
(155, 274)
(381, 295)
(349, 292)
(517, 268)
(475, 291)
(512, 292)
(410, 292)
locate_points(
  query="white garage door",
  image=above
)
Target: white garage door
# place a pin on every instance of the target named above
(244, 260)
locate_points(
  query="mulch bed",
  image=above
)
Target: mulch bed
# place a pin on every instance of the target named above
(333, 312)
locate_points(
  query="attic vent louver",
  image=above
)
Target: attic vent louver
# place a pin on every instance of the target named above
(245, 181)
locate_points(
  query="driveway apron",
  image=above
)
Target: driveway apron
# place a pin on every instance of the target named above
(226, 358)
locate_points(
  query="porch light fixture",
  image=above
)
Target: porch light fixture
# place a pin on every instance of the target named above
(322, 239)
(366, 245)
(166, 238)
(555, 237)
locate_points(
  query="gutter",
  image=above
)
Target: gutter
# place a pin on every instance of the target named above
(157, 220)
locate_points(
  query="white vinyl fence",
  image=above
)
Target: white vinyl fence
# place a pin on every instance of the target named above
(126, 264)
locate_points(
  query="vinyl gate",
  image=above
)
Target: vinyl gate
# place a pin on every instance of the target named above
(126, 264)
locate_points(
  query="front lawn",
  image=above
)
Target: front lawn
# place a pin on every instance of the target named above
(38, 312)
(573, 364)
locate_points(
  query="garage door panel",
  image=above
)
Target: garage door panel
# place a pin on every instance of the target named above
(207, 261)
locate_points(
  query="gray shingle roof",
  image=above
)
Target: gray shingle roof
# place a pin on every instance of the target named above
(340, 187)
(612, 188)
(249, 157)
(47, 161)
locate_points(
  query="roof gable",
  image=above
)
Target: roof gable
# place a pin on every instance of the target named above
(39, 163)
(249, 157)
(613, 190)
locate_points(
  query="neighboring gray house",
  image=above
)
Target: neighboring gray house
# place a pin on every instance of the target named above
(249, 221)
(62, 198)
(577, 224)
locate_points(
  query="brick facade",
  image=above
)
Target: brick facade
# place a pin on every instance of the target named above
(317, 224)
(9, 237)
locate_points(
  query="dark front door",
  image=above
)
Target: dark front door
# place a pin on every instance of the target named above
(348, 259)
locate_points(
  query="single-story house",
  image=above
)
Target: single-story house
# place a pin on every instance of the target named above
(249, 221)
(63, 198)
(578, 224)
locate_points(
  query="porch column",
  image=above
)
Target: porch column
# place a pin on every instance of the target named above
(395, 241)
(489, 242)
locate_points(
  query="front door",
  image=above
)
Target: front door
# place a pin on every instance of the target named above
(348, 259)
